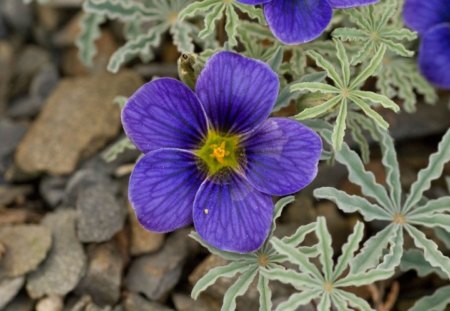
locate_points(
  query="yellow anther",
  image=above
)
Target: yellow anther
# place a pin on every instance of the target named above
(219, 152)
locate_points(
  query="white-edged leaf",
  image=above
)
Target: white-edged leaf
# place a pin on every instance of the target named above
(352, 204)
(318, 110)
(343, 60)
(444, 236)
(430, 173)
(314, 87)
(238, 289)
(439, 205)
(328, 67)
(370, 69)
(413, 259)
(300, 281)
(430, 250)
(377, 99)
(325, 248)
(296, 257)
(365, 179)
(211, 277)
(90, 32)
(265, 293)
(372, 251)
(364, 278)
(348, 250)
(279, 207)
(435, 302)
(231, 25)
(339, 302)
(299, 299)
(368, 111)
(299, 235)
(393, 258)
(431, 221)
(391, 164)
(354, 301)
(337, 138)
(324, 303)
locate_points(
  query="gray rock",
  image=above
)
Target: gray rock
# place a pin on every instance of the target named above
(85, 304)
(52, 189)
(100, 216)
(21, 303)
(26, 246)
(83, 179)
(10, 135)
(17, 14)
(156, 274)
(135, 302)
(7, 59)
(66, 263)
(104, 274)
(30, 61)
(9, 288)
(77, 120)
(184, 302)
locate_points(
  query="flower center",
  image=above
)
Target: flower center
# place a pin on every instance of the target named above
(219, 151)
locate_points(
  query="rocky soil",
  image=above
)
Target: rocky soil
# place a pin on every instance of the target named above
(68, 237)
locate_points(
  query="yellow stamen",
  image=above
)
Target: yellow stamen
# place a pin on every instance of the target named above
(219, 152)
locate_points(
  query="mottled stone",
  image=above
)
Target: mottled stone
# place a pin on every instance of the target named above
(10, 194)
(21, 303)
(143, 241)
(104, 274)
(184, 302)
(6, 59)
(10, 135)
(100, 215)
(78, 119)
(9, 287)
(135, 302)
(50, 303)
(156, 274)
(66, 262)
(26, 246)
(85, 303)
(52, 189)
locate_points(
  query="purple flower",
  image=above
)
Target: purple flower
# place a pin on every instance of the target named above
(431, 18)
(300, 21)
(213, 157)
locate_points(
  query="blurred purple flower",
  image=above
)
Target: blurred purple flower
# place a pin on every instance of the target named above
(300, 21)
(213, 157)
(431, 19)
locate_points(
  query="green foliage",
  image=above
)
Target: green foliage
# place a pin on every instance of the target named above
(328, 284)
(345, 92)
(380, 26)
(213, 11)
(145, 24)
(404, 216)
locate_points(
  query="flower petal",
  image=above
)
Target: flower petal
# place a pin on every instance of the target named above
(229, 214)
(298, 21)
(343, 4)
(434, 55)
(238, 93)
(163, 187)
(421, 15)
(164, 114)
(282, 156)
(254, 2)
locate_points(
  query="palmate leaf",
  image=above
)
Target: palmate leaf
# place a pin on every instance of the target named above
(265, 294)
(444, 236)
(117, 148)
(352, 203)
(435, 302)
(345, 94)
(328, 285)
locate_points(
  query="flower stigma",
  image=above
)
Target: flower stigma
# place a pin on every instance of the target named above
(219, 151)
